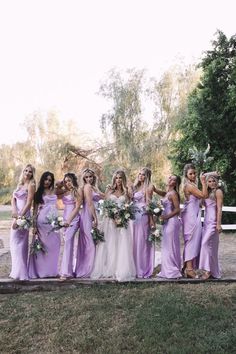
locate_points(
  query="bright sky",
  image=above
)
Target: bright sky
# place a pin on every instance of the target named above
(54, 53)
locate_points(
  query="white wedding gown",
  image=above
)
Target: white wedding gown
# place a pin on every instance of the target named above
(114, 257)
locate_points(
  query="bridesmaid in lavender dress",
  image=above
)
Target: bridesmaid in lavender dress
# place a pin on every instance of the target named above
(170, 244)
(72, 202)
(211, 229)
(143, 249)
(21, 203)
(191, 219)
(45, 265)
(88, 219)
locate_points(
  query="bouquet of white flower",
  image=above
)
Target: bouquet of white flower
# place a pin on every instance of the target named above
(56, 222)
(121, 214)
(36, 247)
(155, 235)
(23, 222)
(154, 208)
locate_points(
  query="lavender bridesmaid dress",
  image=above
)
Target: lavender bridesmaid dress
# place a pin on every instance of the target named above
(19, 241)
(210, 241)
(69, 235)
(86, 246)
(143, 249)
(170, 244)
(192, 229)
(45, 265)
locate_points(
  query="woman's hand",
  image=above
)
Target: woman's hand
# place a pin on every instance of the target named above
(14, 215)
(218, 228)
(202, 178)
(14, 225)
(95, 223)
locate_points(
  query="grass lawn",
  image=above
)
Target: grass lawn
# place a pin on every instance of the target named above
(116, 318)
(5, 215)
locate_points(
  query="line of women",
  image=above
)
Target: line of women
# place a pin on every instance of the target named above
(127, 252)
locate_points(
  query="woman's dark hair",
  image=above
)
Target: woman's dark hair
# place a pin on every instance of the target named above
(73, 177)
(38, 197)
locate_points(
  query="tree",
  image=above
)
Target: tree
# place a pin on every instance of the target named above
(210, 117)
(124, 120)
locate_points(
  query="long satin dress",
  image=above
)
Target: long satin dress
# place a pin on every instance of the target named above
(143, 249)
(19, 240)
(69, 235)
(210, 241)
(170, 244)
(45, 265)
(86, 246)
(192, 230)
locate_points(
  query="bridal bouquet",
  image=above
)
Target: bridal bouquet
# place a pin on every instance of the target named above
(36, 247)
(126, 212)
(97, 235)
(56, 222)
(23, 222)
(120, 214)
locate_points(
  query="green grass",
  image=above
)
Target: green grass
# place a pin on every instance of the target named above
(5, 215)
(116, 318)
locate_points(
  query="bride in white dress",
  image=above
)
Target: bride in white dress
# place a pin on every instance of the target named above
(114, 257)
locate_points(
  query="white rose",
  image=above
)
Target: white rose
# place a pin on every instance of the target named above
(156, 210)
(127, 216)
(101, 201)
(53, 223)
(20, 222)
(60, 218)
(61, 223)
(115, 210)
(157, 233)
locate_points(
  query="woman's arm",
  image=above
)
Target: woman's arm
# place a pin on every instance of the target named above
(191, 189)
(175, 200)
(30, 197)
(14, 208)
(159, 191)
(88, 196)
(219, 204)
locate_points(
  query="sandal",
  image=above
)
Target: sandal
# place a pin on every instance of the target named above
(190, 273)
(206, 276)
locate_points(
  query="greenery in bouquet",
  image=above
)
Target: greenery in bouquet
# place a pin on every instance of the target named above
(23, 222)
(36, 247)
(154, 208)
(120, 214)
(155, 234)
(126, 212)
(97, 235)
(56, 222)
(109, 209)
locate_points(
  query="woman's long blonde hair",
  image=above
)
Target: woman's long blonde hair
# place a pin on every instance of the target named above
(83, 181)
(147, 181)
(188, 166)
(124, 181)
(212, 192)
(21, 178)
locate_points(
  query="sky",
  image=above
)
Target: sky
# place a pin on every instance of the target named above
(55, 53)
